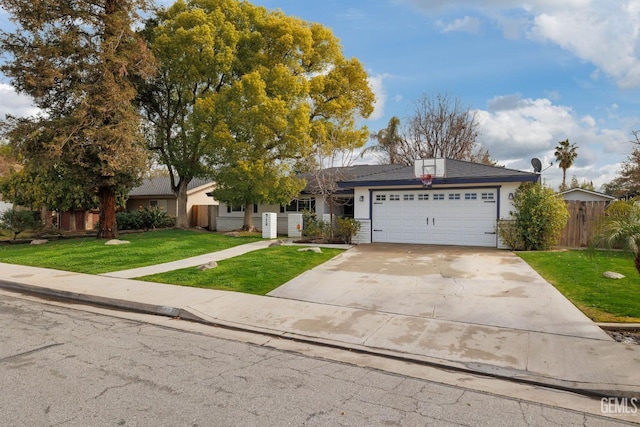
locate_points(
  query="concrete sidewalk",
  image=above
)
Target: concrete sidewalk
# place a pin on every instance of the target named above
(583, 365)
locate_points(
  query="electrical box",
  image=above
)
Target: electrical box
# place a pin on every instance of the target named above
(269, 225)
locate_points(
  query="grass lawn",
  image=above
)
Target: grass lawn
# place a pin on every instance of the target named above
(578, 275)
(90, 255)
(257, 272)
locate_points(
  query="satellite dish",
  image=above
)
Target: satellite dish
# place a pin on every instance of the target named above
(537, 165)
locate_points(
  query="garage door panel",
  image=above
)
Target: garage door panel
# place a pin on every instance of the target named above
(444, 217)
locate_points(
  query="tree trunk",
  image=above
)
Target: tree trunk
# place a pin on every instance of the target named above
(248, 218)
(108, 228)
(637, 261)
(182, 221)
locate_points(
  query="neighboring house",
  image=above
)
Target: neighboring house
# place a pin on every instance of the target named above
(156, 192)
(461, 207)
(582, 195)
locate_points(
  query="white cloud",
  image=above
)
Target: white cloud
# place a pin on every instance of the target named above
(602, 32)
(519, 129)
(467, 24)
(376, 82)
(14, 104)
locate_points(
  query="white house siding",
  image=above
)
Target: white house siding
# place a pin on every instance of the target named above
(234, 223)
(364, 234)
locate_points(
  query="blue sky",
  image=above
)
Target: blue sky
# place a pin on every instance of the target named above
(536, 72)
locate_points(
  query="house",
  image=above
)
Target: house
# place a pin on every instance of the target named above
(460, 206)
(582, 195)
(156, 192)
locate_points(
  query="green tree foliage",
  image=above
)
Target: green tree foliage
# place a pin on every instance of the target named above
(389, 142)
(628, 183)
(19, 220)
(565, 154)
(279, 88)
(76, 60)
(539, 216)
(195, 51)
(37, 189)
(621, 226)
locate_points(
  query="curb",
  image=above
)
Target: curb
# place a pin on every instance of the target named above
(489, 371)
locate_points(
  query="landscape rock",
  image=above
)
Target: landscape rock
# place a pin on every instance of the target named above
(114, 242)
(208, 266)
(313, 249)
(613, 275)
(277, 243)
(39, 241)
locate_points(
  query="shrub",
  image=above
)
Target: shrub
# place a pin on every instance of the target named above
(129, 220)
(144, 218)
(538, 219)
(313, 227)
(18, 221)
(343, 228)
(346, 228)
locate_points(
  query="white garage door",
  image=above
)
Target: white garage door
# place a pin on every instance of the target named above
(439, 217)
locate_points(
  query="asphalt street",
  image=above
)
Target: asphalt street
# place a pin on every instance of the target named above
(64, 366)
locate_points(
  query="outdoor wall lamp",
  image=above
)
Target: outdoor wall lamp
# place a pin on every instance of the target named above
(510, 196)
(361, 198)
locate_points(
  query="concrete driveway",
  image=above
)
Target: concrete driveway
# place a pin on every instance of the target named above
(470, 285)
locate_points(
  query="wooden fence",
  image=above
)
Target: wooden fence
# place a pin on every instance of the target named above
(583, 219)
(199, 216)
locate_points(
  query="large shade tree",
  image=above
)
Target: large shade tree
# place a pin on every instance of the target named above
(287, 90)
(194, 50)
(76, 60)
(565, 154)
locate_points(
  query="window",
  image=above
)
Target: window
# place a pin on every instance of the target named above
(394, 197)
(471, 196)
(299, 205)
(408, 197)
(423, 197)
(487, 196)
(153, 203)
(438, 197)
(381, 197)
(240, 208)
(454, 196)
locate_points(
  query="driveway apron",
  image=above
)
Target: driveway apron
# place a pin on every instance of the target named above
(479, 286)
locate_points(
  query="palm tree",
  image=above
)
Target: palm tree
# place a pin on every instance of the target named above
(565, 155)
(389, 141)
(621, 226)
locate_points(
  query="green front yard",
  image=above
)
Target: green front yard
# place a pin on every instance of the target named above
(90, 255)
(257, 272)
(575, 273)
(578, 275)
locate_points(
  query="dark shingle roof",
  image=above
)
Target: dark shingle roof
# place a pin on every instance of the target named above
(457, 171)
(161, 186)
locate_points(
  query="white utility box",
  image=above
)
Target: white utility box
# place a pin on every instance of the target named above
(295, 225)
(269, 225)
